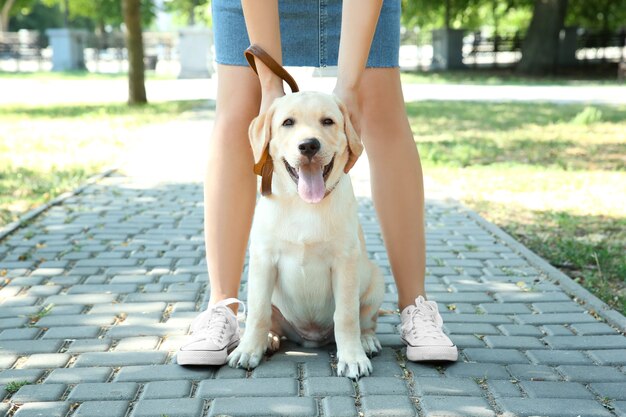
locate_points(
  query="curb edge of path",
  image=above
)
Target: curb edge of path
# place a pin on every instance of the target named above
(570, 286)
(34, 213)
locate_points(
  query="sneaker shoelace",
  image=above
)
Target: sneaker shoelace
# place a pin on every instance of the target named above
(423, 319)
(212, 323)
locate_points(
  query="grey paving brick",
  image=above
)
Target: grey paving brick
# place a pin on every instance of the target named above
(446, 386)
(44, 290)
(156, 329)
(247, 388)
(263, 407)
(339, 407)
(530, 297)
(76, 320)
(7, 360)
(150, 307)
(46, 361)
(166, 389)
(103, 391)
(556, 330)
(550, 407)
(383, 385)
(386, 367)
(503, 388)
(586, 342)
(28, 347)
(558, 307)
(140, 343)
(520, 330)
(533, 372)
(437, 406)
(608, 357)
(554, 318)
(19, 334)
(89, 345)
(43, 409)
(558, 357)
(513, 342)
(276, 370)
(11, 375)
(182, 407)
(327, 386)
(169, 297)
(422, 369)
(102, 409)
(586, 329)
(72, 332)
(132, 279)
(477, 370)
(503, 356)
(591, 373)
(550, 389)
(387, 405)
(467, 341)
(83, 299)
(78, 375)
(226, 372)
(104, 289)
(148, 373)
(611, 390)
(18, 311)
(39, 393)
(117, 359)
(13, 322)
(470, 328)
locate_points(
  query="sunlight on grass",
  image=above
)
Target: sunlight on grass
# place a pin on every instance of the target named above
(46, 150)
(501, 77)
(554, 176)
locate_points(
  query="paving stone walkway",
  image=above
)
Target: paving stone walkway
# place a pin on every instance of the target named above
(98, 292)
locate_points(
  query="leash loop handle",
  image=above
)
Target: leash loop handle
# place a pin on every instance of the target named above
(258, 52)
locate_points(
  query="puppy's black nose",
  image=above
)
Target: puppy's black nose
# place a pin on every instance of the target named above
(309, 147)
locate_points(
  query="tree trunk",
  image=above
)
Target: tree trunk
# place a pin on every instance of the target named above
(540, 49)
(134, 45)
(5, 15)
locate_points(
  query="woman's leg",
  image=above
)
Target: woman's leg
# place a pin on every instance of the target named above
(230, 184)
(396, 176)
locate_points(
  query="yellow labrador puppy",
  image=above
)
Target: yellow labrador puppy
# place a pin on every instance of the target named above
(309, 274)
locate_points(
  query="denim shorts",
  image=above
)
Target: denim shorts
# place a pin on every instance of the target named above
(309, 32)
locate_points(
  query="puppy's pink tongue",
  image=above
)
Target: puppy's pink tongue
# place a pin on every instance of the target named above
(311, 183)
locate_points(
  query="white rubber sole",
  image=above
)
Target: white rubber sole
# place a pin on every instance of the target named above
(204, 357)
(432, 353)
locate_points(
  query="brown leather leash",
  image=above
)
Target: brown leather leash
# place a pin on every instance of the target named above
(265, 166)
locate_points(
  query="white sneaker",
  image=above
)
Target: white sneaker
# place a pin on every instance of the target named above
(421, 331)
(214, 334)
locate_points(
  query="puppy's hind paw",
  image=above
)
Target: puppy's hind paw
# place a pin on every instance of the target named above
(273, 342)
(370, 344)
(353, 369)
(245, 358)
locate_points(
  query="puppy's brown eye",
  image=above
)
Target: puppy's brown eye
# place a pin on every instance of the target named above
(289, 122)
(327, 122)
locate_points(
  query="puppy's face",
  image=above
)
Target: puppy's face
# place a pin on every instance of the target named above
(311, 141)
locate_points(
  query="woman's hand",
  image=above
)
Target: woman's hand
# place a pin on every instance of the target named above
(349, 96)
(271, 87)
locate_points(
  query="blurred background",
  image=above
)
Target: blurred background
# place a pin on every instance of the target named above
(518, 109)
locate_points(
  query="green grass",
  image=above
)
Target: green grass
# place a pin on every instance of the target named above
(554, 176)
(508, 77)
(77, 75)
(46, 150)
(14, 386)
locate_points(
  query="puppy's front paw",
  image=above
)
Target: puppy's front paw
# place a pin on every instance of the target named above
(246, 357)
(353, 365)
(370, 343)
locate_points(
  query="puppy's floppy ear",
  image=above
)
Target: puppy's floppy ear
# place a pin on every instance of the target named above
(260, 133)
(355, 146)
